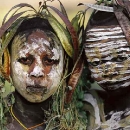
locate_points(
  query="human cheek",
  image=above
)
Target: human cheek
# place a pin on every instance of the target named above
(54, 76)
(103, 71)
(46, 80)
(21, 72)
(96, 72)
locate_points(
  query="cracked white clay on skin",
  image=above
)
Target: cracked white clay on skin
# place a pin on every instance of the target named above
(107, 53)
(37, 69)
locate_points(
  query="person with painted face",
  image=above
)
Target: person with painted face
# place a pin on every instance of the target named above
(40, 66)
(37, 68)
(36, 71)
(108, 58)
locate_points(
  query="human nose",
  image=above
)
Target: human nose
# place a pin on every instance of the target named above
(108, 70)
(37, 71)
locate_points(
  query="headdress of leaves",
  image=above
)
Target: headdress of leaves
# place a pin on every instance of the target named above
(121, 9)
(67, 35)
(7, 31)
(6, 35)
(78, 61)
(107, 5)
(72, 49)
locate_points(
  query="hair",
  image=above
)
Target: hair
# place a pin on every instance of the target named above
(34, 23)
(101, 18)
(30, 24)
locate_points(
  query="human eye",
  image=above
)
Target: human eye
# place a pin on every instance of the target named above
(95, 63)
(26, 60)
(120, 58)
(49, 61)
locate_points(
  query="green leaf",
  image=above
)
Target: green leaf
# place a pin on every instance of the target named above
(9, 23)
(12, 100)
(8, 89)
(16, 6)
(71, 30)
(62, 34)
(79, 104)
(81, 95)
(3, 90)
(75, 22)
(68, 116)
(63, 9)
(9, 37)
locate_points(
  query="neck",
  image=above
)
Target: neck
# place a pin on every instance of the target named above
(118, 100)
(30, 113)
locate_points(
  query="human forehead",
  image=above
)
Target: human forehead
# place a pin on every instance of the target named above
(105, 43)
(36, 47)
(35, 40)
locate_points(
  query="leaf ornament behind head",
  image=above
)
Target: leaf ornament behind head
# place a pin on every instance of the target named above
(72, 33)
(98, 7)
(14, 18)
(7, 31)
(125, 4)
(122, 13)
(74, 53)
(67, 32)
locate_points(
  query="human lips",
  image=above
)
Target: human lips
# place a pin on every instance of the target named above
(36, 89)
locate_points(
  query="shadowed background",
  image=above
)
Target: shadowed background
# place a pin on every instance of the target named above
(70, 5)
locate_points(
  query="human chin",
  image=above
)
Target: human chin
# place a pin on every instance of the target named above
(34, 97)
(33, 92)
(118, 78)
(37, 97)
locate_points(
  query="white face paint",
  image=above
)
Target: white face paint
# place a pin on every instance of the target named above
(108, 55)
(37, 69)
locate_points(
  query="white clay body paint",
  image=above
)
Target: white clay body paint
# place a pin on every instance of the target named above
(41, 71)
(108, 53)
